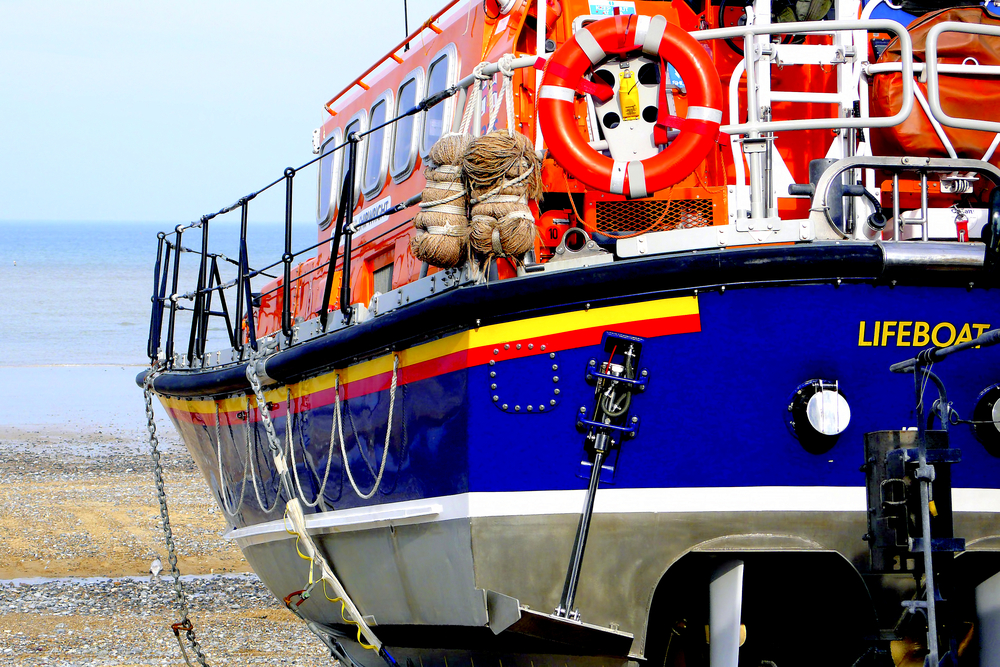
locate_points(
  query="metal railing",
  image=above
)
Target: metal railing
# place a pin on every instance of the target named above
(933, 68)
(166, 298)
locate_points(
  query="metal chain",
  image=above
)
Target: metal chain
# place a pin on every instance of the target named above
(154, 444)
(265, 414)
(252, 454)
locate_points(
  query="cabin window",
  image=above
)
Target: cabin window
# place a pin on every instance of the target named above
(404, 148)
(329, 179)
(357, 124)
(378, 157)
(437, 120)
(382, 279)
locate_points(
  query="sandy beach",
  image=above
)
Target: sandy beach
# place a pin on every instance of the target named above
(80, 525)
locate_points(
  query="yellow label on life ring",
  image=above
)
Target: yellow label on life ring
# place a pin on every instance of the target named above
(628, 96)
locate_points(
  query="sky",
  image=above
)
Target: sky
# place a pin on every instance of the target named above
(163, 111)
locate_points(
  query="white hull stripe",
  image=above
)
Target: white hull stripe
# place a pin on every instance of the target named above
(550, 92)
(786, 499)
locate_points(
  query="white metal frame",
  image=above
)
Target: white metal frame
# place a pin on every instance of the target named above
(450, 51)
(372, 186)
(399, 175)
(362, 154)
(336, 161)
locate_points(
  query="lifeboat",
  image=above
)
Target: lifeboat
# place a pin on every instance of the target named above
(632, 332)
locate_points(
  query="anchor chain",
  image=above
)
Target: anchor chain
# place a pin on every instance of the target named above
(154, 444)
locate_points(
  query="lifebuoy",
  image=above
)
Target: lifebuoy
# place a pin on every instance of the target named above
(588, 48)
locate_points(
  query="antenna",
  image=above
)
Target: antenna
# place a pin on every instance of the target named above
(406, 25)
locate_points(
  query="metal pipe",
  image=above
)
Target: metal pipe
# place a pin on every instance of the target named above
(933, 86)
(541, 20)
(924, 217)
(895, 207)
(925, 474)
(824, 27)
(583, 529)
(173, 295)
(338, 231)
(199, 301)
(242, 271)
(153, 344)
(935, 354)
(345, 281)
(286, 258)
(942, 68)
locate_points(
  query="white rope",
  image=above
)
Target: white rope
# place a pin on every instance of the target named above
(226, 505)
(472, 105)
(506, 69)
(295, 469)
(429, 205)
(388, 434)
(293, 507)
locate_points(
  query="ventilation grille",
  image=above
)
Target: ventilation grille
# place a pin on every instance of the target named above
(623, 219)
(382, 279)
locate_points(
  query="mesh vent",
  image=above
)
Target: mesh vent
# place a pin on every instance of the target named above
(382, 279)
(622, 219)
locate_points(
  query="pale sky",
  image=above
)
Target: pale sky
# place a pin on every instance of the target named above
(166, 110)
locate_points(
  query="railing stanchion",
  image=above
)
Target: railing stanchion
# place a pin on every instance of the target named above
(345, 281)
(225, 307)
(156, 314)
(286, 258)
(338, 231)
(194, 345)
(178, 238)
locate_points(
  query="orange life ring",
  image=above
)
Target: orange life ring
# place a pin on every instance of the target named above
(588, 48)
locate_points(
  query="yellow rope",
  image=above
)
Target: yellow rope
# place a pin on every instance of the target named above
(312, 581)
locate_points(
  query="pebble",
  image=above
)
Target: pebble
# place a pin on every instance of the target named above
(53, 491)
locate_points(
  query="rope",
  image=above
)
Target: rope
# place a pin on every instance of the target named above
(472, 106)
(226, 505)
(295, 467)
(388, 433)
(293, 509)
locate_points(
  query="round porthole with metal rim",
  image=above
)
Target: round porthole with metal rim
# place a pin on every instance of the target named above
(986, 419)
(818, 413)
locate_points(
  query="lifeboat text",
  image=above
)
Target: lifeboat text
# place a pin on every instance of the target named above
(916, 334)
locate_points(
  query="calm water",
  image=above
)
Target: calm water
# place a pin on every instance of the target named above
(78, 293)
(74, 317)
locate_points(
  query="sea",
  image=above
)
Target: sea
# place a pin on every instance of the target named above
(75, 309)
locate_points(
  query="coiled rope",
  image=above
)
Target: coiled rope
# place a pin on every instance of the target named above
(503, 172)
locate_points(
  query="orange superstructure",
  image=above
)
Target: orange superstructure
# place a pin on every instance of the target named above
(440, 53)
